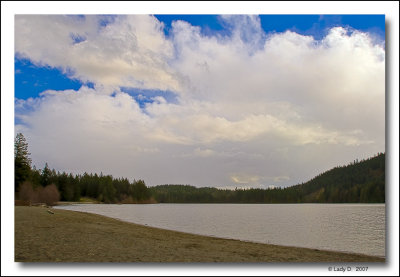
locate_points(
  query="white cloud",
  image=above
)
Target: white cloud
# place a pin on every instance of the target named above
(245, 179)
(204, 152)
(250, 108)
(129, 51)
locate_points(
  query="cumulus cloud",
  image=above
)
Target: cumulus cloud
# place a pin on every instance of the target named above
(251, 108)
(112, 51)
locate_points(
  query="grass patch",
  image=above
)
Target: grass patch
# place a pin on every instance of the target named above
(88, 200)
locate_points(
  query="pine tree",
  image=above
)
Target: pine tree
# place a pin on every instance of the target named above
(45, 176)
(22, 162)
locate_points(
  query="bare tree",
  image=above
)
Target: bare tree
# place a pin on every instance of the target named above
(50, 195)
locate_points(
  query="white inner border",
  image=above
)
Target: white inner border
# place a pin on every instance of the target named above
(9, 9)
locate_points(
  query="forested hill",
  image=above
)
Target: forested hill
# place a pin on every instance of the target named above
(358, 182)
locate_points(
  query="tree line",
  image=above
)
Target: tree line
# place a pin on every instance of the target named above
(48, 186)
(358, 182)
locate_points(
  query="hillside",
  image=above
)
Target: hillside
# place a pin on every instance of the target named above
(358, 182)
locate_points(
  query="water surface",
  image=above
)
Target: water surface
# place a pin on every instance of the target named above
(355, 228)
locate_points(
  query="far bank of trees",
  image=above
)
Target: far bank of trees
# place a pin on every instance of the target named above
(358, 182)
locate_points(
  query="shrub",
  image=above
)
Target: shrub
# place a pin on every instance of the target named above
(27, 193)
(49, 195)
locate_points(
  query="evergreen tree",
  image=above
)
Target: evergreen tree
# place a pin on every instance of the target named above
(46, 175)
(22, 162)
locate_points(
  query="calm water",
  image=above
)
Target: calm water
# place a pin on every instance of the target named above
(357, 228)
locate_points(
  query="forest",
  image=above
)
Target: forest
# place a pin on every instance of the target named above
(48, 186)
(358, 182)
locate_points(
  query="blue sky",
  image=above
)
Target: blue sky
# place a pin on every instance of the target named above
(32, 79)
(315, 25)
(225, 101)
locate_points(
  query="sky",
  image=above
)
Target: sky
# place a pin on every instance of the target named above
(207, 100)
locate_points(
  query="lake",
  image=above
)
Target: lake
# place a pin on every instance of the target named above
(355, 228)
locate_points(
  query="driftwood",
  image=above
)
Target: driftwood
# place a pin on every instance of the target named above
(50, 212)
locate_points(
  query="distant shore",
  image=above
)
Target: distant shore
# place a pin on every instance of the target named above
(47, 235)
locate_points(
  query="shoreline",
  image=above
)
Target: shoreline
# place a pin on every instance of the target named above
(70, 236)
(210, 236)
